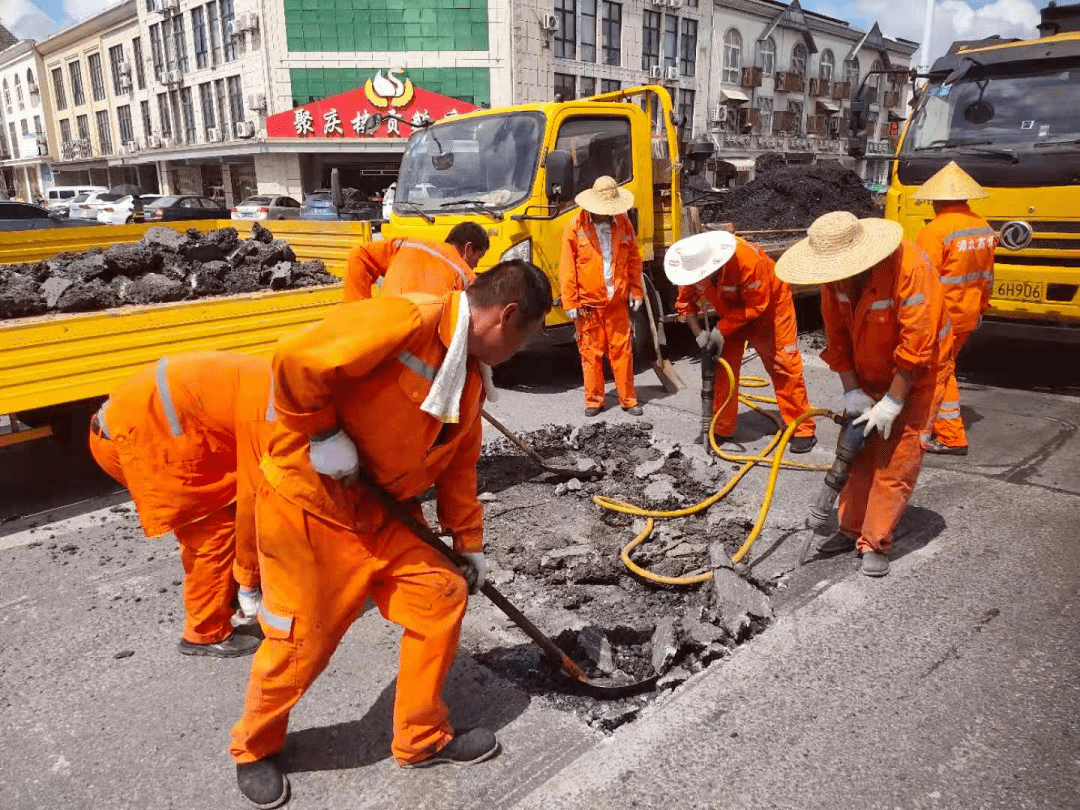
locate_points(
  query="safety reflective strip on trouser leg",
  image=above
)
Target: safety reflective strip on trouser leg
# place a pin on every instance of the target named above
(948, 424)
(207, 549)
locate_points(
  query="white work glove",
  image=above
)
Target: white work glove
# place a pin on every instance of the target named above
(249, 599)
(714, 337)
(635, 304)
(334, 456)
(857, 402)
(572, 314)
(477, 573)
(881, 416)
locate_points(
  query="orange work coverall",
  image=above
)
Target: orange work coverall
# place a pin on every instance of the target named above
(898, 322)
(185, 436)
(603, 322)
(960, 245)
(406, 266)
(325, 546)
(753, 305)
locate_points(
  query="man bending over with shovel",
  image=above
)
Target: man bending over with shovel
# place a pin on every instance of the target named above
(386, 391)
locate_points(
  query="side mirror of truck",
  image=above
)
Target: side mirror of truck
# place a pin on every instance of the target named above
(559, 173)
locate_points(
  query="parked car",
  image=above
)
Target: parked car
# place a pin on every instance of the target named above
(122, 211)
(20, 216)
(267, 206)
(184, 206)
(59, 198)
(86, 206)
(320, 205)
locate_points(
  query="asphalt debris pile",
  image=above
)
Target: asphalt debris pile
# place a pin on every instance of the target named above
(555, 554)
(165, 265)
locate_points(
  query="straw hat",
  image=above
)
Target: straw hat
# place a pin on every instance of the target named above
(951, 183)
(838, 245)
(697, 257)
(605, 198)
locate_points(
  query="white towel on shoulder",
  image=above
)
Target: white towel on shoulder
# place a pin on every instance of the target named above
(444, 399)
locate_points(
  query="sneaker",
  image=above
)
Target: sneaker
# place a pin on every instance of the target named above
(262, 783)
(837, 544)
(874, 564)
(235, 646)
(802, 444)
(468, 747)
(592, 411)
(634, 410)
(946, 450)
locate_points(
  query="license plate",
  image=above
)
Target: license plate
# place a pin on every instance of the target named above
(1020, 290)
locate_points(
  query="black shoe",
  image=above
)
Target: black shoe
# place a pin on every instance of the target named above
(634, 410)
(837, 544)
(235, 646)
(946, 450)
(593, 411)
(262, 783)
(802, 444)
(468, 747)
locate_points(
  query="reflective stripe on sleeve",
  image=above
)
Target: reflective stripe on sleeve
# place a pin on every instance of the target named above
(282, 623)
(753, 286)
(432, 252)
(101, 420)
(912, 300)
(271, 414)
(411, 361)
(842, 297)
(166, 399)
(885, 303)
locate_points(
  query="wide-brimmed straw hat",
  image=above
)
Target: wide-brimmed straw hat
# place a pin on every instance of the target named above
(838, 245)
(605, 198)
(950, 184)
(697, 257)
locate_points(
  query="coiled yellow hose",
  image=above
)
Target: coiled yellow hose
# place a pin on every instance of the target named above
(772, 454)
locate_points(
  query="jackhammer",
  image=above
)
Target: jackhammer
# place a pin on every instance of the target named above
(851, 442)
(708, 387)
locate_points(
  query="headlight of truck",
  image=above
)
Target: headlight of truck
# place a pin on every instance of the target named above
(522, 250)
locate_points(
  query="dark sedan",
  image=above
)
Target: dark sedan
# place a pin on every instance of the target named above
(172, 209)
(18, 216)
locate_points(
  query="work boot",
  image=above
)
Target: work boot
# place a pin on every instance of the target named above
(262, 783)
(634, 410)
(468, 747)
(802, 444)
(235, 646)
(593, 411)
(837, 544)
(945, 449)
(874, 564)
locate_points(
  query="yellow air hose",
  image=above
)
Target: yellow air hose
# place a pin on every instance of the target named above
(778, 443)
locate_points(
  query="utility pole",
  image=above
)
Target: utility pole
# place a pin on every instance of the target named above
(924, 50)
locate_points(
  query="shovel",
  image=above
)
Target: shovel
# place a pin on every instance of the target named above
(560, 471)
(662, 366)
(595, 687)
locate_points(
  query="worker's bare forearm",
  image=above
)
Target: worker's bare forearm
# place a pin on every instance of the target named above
(901, 385)
(694, 323)
(849, 380)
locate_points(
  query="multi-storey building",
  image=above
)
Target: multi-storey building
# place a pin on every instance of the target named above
(25, 138)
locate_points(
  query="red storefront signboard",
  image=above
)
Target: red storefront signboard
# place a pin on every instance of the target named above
(385, 107)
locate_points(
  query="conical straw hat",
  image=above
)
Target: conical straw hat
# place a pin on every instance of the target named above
(838, 245)
(606, 198)
(697, 257)
(951, 183)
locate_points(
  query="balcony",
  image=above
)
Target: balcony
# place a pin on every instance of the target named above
(751, 77)
(892, 99)
(785, 122)
(819, 88)
(749, 119)
(816, 125)
(841, 91)
(786, 82)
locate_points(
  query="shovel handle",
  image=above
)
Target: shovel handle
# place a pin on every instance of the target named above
(505, 431)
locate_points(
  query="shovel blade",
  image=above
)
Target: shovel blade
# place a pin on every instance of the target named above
(667, 376)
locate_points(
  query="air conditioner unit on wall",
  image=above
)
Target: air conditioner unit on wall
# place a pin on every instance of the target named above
(154, 141)
(257, 102)
(671, 74)
(549, 23)
(213, 134)
(168, 142)
(125, 83)
(243, 129)
(675, 3)
(124, 69)
(167, 6)
(249, 21)
(656, 72)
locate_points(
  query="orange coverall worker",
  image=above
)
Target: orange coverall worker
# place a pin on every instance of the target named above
(897, 322)
(325, 545)
(185, 437)
(406, 266)
(753, 305)
(960, 245)
(603, 304)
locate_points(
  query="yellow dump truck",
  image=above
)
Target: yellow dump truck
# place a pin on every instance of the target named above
(54, 368)
(1006, 111)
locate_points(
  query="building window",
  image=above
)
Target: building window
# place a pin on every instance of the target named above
(688, 48)
(610, 85)
(58, 88)
(223, 119)
(137, 58)
(597, 147)
(83, 125)
(686, 111)
(588, 86)
(851, 73)
(877, 79)
(65, 131)
(798, 60)
(765, 110)
(732, 57)
(650, 41)
(690, 3)
(797, 108)
(147, 123)
(566, 36)
(14, 140)
(180, 43)
(826, 65)
(156, 53)
(206, 99)
(123, 120)
(104, 132)
(163, 114)
(97, 77)
(565, 89)
(767, 55)
(612, 32)
(187, 106)
(78, 97)
(587, 31)
(7, 96)
(236, 98)
(214, 23)
(228, 13)
(18, 92)
(198, 38)
(671, 41)
(116, 59)
(37, 125)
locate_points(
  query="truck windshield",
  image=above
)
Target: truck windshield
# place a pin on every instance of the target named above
(1020, 109)
(487, 161)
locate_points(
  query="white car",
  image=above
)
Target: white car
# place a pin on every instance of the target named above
(86, 206)
(267, 206)
(60, 197)
(121, 212)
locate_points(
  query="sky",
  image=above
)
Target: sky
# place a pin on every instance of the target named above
(953, 19)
